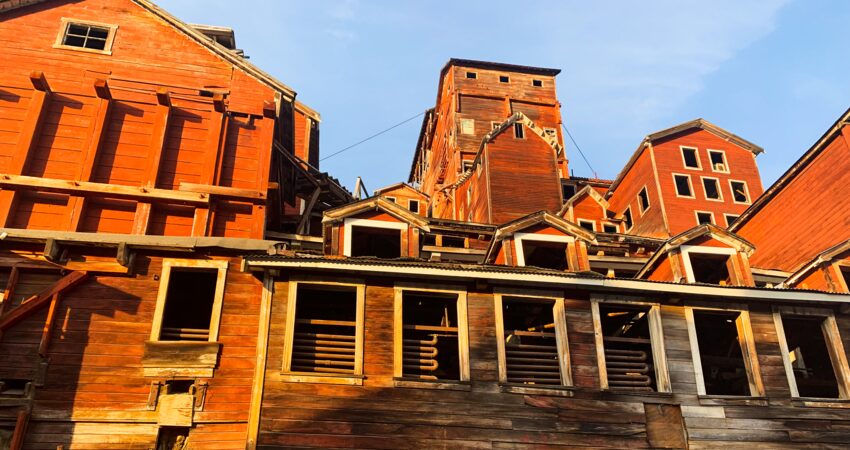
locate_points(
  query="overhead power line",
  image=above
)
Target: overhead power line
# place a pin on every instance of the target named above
(372, 136)
(579, 151)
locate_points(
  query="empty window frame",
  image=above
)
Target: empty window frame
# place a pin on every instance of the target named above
(568, 191)
(730, 218)
(704, 217)
(430, 334)
(724, 352)
(542, 250)
(843, 271)
(504, 79)
(537, 83)
(587, 224)
(711, 189)
(519, 132)
(413, 206)
(812, 352)
(629, 345)
(467, 126)
(323, 340)
(690, 157)
(643, 200)
(717, 158)
(740, 193)
(466, 165)
(376, 238)
(390, 199)
(683, 185)
(454, 241)
(495, 125)
(531, 333)
(86, 36)
(627, 218)
(710, 265)
(472, 75)
(188, 304)
(610, 228)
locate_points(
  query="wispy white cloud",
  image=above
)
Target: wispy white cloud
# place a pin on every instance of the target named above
(343, 9)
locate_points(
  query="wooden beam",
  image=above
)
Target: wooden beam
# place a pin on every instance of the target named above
(86, 188)
(264, 166)
(52, 250)
(7, 293)
(20, 430)
(209, 166)
(30, 132)
(124, 254)
(47, 331)
(37, 301)
(260, 363)
(160, 131)
(304, 223)
(223, 191)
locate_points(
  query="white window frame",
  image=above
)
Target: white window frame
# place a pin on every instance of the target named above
(640, 204)
(520, 126)
(725, 161)
(697, 212)
(398, 327)
(65, 22)
(168, 265)
(561, 339)
(466, 164)
(289, 334)
(748, 348)
(536, 237)
(656, 338)
(467, 126)
(705, 191)
(367, 223)
(832, 339)
(690, 185)
(726, 217)
(585, 221)
(687, 250)
(412, 201)
(616, 227)
(628, 228)
(696, 153)
(746, 192)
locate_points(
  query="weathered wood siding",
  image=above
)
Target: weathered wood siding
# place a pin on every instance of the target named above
(650, 223)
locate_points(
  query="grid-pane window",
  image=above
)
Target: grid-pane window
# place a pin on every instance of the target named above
(86, 36)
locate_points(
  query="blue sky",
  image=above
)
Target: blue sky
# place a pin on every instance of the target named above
(772, 71)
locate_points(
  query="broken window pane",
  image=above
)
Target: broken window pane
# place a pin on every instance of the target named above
(531, 348)
(377, 242)
(739, 191)
(809, 354)
(545, 254)
(628, 347)
(723, 369)
(325, 330)
(188, 305)
(430, 336)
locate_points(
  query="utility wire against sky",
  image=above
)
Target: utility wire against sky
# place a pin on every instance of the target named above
(579, 151)
(372, 136)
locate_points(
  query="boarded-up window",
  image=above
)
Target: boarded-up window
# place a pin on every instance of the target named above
(467, 126)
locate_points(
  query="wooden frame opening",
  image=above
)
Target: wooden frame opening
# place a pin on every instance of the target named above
(504, 79)
(682, 184)
(531, 333)
(430, 339)
(724, 352)
(376, 238)
(413, 206)
(610, 228)
(711, 189)
(704, 217)
(172, 438)
(690, 157)
(730, 218)
(710, 265)
(717, 159)
(188, 305)
(643, 200)
(629, 345)
(519, 132)
(472, 75)
(812, 352)
(587, 224)
(627, 218)
(323, 341)
(542, 250)
(87, 36)
(537, 83)
(740, 192)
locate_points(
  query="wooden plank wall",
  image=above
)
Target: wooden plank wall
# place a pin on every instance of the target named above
(652, 222)
(95, 393)
(378, 415)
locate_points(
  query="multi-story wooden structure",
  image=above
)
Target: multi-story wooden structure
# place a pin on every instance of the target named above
(177, 273)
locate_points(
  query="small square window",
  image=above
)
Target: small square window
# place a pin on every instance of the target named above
(471, 75)
(495, 125)
(627, 218)
(189, 301)
(568, 190)
(712, 189)
(413, 206)
(739, 191)
(587, 224)
(683, 186)
(643, 200)
(718, 161)
(609, 228)
(86, 36)
(690, 157)
(537, 83)
(704, 217)
(519, 132)
(504, 79)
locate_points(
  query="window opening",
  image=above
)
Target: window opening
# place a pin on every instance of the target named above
(710, 268)
(504, 79)
(471, 75)
(466, 164)
(14, 387)
(86, 36)
(173, 438)
(809, 354)
(628, 347)
(413, 206)
(587, 224)
(643, 199)
(376, 242)
(188, 305)
(609, 228)
(454, 242)
(179, 386)
(467, 126)
(690, 157)
(712, 188)
(724, 371)
(730, 218)
(627, 218)
(537, 83)
(545, 254)
(568, 190)
(519, 133)
(683, 185)
(325, 330)
(429, 239)
(739, 191)
(704, 217)
(430, 336)
(718, 160)
(845, 274)
(392, 199)
(531, 348)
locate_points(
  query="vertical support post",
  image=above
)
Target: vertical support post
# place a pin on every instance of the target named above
(260, 364)
(30, 133)
(304, 223)
(96, 133)
(47, 332)
(258, 212)
(212, 155)
(160, 129)
(20, 430)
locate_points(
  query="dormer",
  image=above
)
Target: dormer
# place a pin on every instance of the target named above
(374, 227)
(406, 196)
(589, 210)
(541, 240)
(829, 271)
(705, 254)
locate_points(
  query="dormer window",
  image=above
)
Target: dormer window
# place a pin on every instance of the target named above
(587, 224)
(86, 36)
(709, 265)
(542, 250)
(718, 161)
(375, 238)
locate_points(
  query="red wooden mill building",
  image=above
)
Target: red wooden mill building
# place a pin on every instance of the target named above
(177, 272)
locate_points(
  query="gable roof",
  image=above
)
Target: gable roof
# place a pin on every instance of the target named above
(340, 213)
(824, 257)
(507, 230)
(586, 190)
(791, 173)
(696, 124)
(731, 239)
(400, 184)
